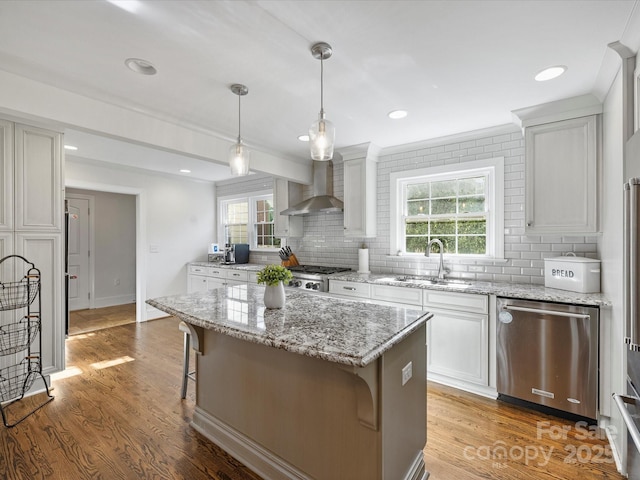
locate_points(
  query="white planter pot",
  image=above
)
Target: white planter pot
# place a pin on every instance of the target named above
(274, 296)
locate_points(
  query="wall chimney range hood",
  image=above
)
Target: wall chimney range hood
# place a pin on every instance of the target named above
(322, 200)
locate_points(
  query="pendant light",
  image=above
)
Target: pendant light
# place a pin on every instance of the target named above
(239, 154)
(322, 133)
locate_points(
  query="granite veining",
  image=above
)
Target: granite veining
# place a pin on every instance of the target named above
(500, 289)
(343, 331)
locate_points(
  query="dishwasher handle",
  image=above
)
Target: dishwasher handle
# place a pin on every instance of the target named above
(546, 312)
(626, 416)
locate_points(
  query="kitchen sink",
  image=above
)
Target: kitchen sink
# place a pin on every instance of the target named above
(424, 280)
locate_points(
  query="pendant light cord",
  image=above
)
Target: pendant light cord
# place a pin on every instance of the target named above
(239, 136)
(322, 85)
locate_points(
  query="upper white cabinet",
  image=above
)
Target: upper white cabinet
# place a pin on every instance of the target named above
(38, 175)
(561, 181)
(286, 194)
(360, 191)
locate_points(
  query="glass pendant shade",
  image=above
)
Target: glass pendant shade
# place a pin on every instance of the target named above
(322, 135)
(239, 156)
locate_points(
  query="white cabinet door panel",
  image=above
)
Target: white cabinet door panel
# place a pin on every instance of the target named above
(44, 251)
(38, 182)
(458, 346)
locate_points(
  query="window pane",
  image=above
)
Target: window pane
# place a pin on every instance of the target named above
(418, 191)
(445, 188)
(472, 226)
(417, 207)
(471, 204)
(417, 228)
(449, 244)
(415, 244)
(443, 206)
(236, 234)
(443, 227)
(472, 245)
(238, 212)
(471, 186)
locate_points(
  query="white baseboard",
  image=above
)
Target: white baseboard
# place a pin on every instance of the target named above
(113, 301)
(482, 390)
(151, 313)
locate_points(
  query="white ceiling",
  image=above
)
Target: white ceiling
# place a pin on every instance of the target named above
(456, 66)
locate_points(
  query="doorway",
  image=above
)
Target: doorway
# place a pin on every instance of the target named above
(101, 259)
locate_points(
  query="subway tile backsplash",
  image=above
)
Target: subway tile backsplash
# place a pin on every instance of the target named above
(324, 242)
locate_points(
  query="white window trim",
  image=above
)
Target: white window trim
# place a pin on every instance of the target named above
(495, 199)
(250, 197)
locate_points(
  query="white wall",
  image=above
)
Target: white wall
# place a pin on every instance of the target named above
(114, 241)
(175, 221)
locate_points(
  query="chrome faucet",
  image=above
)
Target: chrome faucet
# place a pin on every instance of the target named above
(427, 252)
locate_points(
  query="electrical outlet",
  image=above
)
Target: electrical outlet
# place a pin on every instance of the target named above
(116, 282)
(407, 372)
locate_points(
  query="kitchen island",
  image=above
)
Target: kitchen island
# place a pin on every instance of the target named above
(326, 388)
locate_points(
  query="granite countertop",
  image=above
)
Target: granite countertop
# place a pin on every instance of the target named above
(347, 332)
(251, 267)
(501, 289)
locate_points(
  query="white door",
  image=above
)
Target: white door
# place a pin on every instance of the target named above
(79, 273)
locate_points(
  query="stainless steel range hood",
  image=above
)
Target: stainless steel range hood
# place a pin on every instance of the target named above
(323, 200)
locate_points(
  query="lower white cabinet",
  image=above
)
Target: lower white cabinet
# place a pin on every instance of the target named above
(203, 278)
(458, 340)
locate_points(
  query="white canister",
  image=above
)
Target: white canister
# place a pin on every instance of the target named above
(576, 274)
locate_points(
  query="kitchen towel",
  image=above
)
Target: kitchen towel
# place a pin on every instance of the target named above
(363, 260)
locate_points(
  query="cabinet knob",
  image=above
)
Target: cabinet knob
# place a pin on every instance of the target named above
(529, 224)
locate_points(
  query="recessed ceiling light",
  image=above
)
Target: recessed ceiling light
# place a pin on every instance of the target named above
(70, 147)
(184, 170)
(396, 114)
(550, 73)
(138, 65)
(303, 138)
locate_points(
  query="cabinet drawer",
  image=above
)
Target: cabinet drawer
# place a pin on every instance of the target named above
(405, 295)
(198, 270)
(238, 275)
(350, 289)
(464, 302)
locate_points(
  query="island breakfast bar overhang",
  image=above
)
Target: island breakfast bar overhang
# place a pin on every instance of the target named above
(312, 391)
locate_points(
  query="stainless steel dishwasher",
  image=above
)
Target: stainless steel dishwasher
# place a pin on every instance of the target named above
(547, 354)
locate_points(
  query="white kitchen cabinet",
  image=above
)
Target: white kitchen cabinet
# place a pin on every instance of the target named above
(38, 179)
(404, 296)
(458, 340)
(561, 181)
(285, 195)
(360, 197)
(31, 219)
(202, 278)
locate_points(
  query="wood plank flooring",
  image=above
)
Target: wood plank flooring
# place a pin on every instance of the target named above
(117, 415)
(90, 320)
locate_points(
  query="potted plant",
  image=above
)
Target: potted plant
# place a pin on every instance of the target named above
(274, 276)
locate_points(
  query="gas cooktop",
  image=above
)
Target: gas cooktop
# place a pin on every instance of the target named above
(317, 269)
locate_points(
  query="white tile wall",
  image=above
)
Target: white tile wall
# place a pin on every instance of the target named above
(324, 242)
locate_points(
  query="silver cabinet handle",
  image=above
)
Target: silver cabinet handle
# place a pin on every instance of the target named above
(236, 274)
(545, 312)
(349, 288)
(626, 416)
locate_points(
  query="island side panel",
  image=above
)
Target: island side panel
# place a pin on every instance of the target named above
(302, 409)
(305, 410)
(404, 407)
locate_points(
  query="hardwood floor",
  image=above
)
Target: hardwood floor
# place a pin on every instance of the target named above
(118, 415)
(90, 320)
